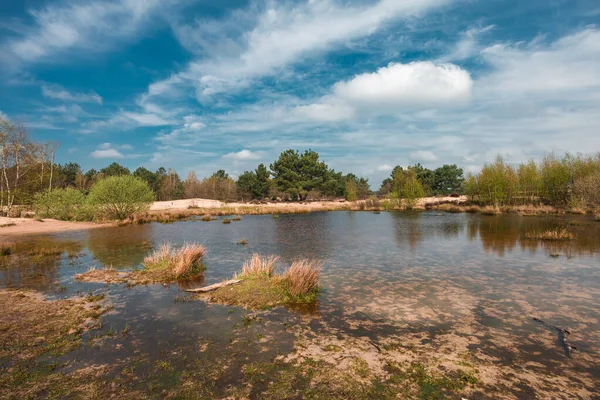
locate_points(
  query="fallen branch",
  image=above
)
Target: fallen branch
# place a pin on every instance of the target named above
(563, 334)
(215, 286)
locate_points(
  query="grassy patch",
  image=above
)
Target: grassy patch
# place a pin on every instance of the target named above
(208, 218)
(320, 380)
(166, 264)
(262, 288)
(558, 234)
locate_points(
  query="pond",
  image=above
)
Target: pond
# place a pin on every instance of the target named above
(437, 291)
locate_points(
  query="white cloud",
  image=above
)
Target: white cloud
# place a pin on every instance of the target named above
(324, 112)
(422, 155)
(109, 150)
(242, 155)
(86, 25)
(570, 64)
(59, 93)
(385, 168)
(414, 84)
(146, 119)
(393, 89)
(108, 153)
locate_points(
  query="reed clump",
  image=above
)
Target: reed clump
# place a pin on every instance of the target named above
(259, 265)
(180, 261)
(6, 250)
(262, 288)
(226, 221)
(242, 242)
(237, 218)
(557, 234)
(208, 218)
(303, 277)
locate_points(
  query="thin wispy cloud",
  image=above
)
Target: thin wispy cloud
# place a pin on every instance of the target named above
(59, 93)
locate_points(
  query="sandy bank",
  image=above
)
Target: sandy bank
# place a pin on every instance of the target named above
(178, 205)
(25, 226)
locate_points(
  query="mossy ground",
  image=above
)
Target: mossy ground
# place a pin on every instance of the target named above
(33, 333)
(259, 292)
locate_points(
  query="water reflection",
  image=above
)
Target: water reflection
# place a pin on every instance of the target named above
(120, 247)
(37, 264)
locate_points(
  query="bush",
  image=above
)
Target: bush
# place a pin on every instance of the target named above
(59, 203)
(120, 197)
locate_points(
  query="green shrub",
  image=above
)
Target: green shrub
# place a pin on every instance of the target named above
(120, 197)
(58, 203)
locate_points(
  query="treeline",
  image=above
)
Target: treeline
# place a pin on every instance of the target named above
(417, 181)
(571, 181)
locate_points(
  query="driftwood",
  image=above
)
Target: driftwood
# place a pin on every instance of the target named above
(215, 286)
(563, 334)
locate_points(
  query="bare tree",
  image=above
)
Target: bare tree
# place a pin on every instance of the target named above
(52, 149)
(17, 155)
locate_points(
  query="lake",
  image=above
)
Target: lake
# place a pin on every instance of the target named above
(410, 288)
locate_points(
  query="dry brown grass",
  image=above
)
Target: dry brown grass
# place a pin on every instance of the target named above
(180, 261)
(557, 234)
(259, 265)
(303, 276)
(491, 210)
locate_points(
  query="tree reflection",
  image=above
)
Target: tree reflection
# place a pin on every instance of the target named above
(120, 247)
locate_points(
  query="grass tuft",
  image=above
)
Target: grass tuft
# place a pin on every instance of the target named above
(243, 242)
(6, 250)
(303, 277)
(557, 234)
(226, 221)
(181, 262)
(258, 265)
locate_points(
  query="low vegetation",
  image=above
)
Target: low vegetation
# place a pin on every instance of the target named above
(263, 288)
(166, 264)
(558, 234)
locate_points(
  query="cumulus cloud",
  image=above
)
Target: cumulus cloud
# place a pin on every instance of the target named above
(413, 84)
(423, 155)
(385, 168)
(392, 89)
(107, 153)
(242, 156)
(59, 93)
(109, 150)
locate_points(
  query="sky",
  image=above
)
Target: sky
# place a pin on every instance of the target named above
(204, 85)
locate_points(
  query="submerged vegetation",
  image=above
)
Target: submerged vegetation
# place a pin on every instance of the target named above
(261, 287)
(557, 234)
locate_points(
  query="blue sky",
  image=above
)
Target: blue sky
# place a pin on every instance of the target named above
(202, 85)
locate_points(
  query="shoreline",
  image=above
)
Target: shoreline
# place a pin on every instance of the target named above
(11, 227)
(167, 211)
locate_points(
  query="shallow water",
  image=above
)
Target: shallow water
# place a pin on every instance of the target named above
(451, 283)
